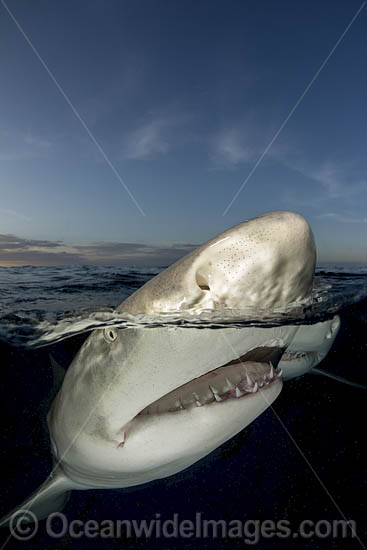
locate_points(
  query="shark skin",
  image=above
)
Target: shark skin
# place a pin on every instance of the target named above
(140, 404)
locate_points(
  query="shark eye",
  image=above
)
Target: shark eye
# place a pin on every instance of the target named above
(109, 334)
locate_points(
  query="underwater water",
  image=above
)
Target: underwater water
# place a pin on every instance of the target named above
(305, 459)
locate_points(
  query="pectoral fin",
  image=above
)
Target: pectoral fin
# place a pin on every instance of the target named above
(50, 497)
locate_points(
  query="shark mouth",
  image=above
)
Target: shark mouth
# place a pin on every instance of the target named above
(293, 355)
(236, 380)
(239, 379)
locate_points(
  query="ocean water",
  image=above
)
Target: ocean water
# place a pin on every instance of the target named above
(306, 459)
(42, 305)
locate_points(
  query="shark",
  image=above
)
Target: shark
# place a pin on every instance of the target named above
(139, 404)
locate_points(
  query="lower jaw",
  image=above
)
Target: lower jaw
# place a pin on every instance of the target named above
(160, 445)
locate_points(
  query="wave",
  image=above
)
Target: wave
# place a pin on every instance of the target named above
(43, 305)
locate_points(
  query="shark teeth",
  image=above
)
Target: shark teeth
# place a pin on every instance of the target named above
(235, 383)
(197, 400)
(230, 385)
(122, 442)
(290, 355)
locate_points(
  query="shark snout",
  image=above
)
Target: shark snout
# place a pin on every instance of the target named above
(262, 263)
(265, 262)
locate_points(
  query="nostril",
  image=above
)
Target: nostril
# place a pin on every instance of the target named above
(204, 287)
(202, 282)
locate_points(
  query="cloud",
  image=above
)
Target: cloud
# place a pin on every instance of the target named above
(338, 179)
(147, 141)
(14, 214)
(230, 148)
(158, 136)
(341, 218)
(36, 142)
(330, 176)
(11, 242)
(17, 251)
(18, 145)
(242, 140)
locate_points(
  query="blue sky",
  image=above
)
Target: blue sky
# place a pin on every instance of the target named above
(183, 97)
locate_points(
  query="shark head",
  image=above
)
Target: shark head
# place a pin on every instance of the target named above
(140, 404)
(263, 263)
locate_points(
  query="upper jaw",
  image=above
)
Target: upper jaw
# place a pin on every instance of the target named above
(176, 357)
(240, 376)
(257, 363)
(309, 346)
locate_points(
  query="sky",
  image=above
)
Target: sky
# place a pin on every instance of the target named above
(128, 128)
